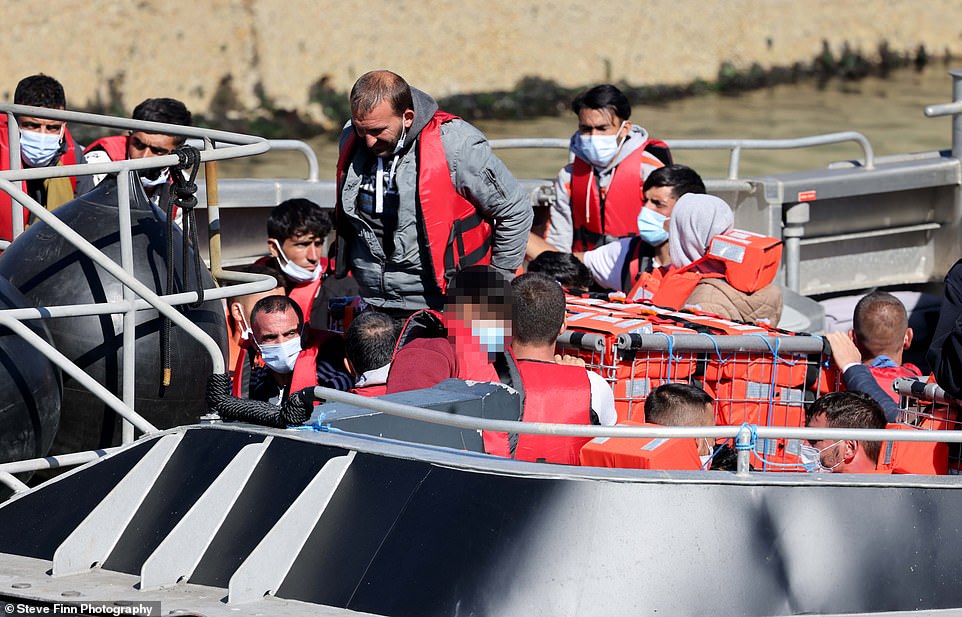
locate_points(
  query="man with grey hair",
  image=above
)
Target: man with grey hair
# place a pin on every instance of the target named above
(420, 196)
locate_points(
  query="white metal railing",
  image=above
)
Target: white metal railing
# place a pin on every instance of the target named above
(136, 295)
(734, 146)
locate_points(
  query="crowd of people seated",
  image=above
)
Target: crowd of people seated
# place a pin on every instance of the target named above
(430, 236)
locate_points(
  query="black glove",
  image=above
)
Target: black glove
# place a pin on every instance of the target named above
(298, 407)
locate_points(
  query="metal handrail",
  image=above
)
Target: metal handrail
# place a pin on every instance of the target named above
(241, 145)
(293, 145)
(581, 430)
(735, 146)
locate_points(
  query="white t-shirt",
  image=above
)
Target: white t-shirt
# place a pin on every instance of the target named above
(602, 399)
(605, 263)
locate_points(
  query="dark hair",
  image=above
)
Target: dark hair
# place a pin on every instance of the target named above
(879, 322)
(539, 309)
(40, 91)
(562, 267)
(604, 96)
(676, 404)
(255, 269)
(296, 217)
(850, 410)
(483, 286)
(376, 86)
(370, 340)
(681, 179)
(276, 304)
(168, 111)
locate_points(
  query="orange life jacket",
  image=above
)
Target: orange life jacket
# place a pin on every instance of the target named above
(553, 393)
(915, 457)
(746, 260)
(617, 213)
(454, 232)
(6, 211)
(641, 452)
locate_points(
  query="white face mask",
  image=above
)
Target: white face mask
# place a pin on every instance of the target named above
(37, 149)
(600, 150)
(811, 458)
(706, 458)
(162, 178)
(294, 271)
(651, 226)
(281, 357)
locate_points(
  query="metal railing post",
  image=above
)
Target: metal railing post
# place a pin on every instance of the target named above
(13, 134)
(956, 118)
(796, 215)
(213, 213)
(128, 376)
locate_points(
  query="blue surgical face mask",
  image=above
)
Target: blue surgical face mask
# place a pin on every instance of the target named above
(600, 150)
(491, 337)
(281, 357)
(38, 149)
(651, 226)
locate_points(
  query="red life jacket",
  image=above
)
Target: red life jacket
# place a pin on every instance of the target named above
(747, 261)
(559, 394)
(456, 234)
(6, 215)
(114, 145)
(237, 376)
(641, 452)
(886, 375)
(916, 457)
(617, 214)
(304, 295)
(305, 367)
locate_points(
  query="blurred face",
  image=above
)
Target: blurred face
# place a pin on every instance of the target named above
(41, 125)
(601, 122)
(381, 128)
(142, 145)
(273, 328)
(303, 250)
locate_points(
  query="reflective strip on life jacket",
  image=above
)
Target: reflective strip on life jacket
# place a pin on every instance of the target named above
(114, 145)
(913, 457)
(557, 394)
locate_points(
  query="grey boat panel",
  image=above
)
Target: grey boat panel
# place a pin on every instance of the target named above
(422, 530)
(481, 400)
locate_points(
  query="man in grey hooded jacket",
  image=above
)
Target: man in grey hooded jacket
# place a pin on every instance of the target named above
(598, 197)
(402, 225)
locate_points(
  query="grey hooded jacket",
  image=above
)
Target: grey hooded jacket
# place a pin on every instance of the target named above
(560, 226)
(400, 280)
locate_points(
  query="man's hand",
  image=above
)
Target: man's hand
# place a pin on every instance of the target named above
(844, 351)
(569, 360)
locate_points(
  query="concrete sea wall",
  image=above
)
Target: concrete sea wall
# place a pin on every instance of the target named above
(239, 55)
